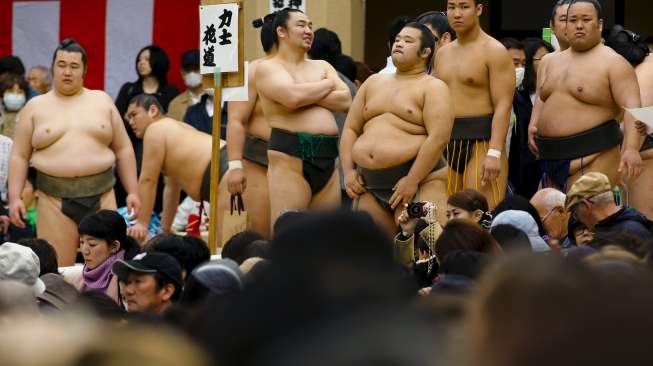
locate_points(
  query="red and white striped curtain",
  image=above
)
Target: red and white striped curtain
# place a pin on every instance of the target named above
(111, 31)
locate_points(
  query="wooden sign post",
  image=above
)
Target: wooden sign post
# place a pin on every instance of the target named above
(217, 80)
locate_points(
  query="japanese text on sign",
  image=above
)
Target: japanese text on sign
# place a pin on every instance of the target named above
(276, 5)
(219, 38)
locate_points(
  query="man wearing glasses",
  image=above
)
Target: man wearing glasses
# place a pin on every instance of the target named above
(591, 202)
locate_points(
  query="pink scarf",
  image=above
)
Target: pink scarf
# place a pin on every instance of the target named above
(99, 277)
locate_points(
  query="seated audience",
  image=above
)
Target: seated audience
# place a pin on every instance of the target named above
(471, 205)
(461, 234)
(103, 241)
(20, 263)
(520, 203)
(550, 205)
(215, 278)
(579, 234)
(510, 238)
(590, 200)
(150, 282)
(189, 251)
(238, 247)
(523, 221)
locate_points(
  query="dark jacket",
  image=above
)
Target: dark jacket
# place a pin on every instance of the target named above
(197, 117)
(524, 171)
(627, 220)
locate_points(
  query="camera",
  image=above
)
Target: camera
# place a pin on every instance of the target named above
(416, 210)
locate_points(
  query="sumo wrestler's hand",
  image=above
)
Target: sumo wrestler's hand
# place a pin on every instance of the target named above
(404, 191)
(641, 128)
(630, 166)
(17, 213)
(133, 205)
(236, 181)
(532, 146)
(138, 232)
(490, 169)
(354, 184)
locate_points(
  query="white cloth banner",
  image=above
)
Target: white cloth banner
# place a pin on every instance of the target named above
(276, 5)
(219, 38)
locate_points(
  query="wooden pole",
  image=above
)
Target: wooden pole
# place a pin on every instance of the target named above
(215, 162)
(217, 81)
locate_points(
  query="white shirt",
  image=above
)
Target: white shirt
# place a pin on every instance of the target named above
(389, 67)
(5, 153)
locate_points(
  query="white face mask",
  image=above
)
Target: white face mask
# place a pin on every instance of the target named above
(519, 73)
(13, 102)
(193, 79)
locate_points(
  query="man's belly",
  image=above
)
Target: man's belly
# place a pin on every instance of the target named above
(562, 117)
(471, 101)
(313, 120)
(384, 146)
(73, 156)
(259, 127)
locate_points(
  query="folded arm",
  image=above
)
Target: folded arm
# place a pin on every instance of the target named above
(338, 100)
(278, 85)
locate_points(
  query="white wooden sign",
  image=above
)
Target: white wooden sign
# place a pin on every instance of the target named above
(219, 38)
(276, 5)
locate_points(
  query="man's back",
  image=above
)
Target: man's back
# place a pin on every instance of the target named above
(627, 220)
(181, 151)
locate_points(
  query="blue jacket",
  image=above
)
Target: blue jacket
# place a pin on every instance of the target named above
(627, 220)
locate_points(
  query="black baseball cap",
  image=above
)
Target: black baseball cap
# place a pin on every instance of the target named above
(150, 262)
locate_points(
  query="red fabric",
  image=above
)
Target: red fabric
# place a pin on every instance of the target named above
(6, 16)
(85, 21)
(176, 29)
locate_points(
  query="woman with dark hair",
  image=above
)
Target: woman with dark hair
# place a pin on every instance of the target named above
(631, 46)
(103, 240)
(471, 205)
(525, 172)
(152, 66)
(464, 235)
(14, 91)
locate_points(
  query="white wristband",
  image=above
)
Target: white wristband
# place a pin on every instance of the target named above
(235, 164)
(494, 153)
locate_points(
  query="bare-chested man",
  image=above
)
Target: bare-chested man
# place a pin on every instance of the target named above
(558, 25)
(396, 131)
(635, 50)
(73, 136)
(481, 77)
(584, 90)
(298, 97)
(176, 149)
(248, 133)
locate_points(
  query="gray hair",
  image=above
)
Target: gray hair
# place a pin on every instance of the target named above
(46, 72)
(602, 198)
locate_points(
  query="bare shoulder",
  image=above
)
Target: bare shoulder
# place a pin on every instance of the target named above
(494, 48)
(446, 50)
(613, 59)
(435, 84)
(99, 96)
(266, 66)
